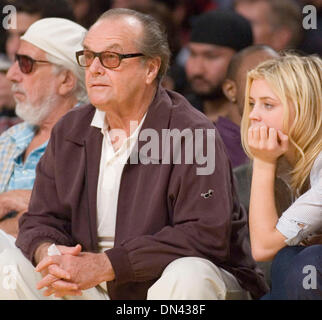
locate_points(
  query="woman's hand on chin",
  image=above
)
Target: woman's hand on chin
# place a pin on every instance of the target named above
(267, 144)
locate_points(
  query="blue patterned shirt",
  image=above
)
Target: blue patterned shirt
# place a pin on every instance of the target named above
(14, 173)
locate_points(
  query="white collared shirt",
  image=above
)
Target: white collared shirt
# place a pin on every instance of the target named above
(111, 168)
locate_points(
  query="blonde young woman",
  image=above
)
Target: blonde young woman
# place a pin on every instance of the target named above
(282, 122)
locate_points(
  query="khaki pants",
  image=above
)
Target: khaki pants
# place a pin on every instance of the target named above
(188, 278)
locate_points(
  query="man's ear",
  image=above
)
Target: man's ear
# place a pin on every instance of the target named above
(154, 65)
(229, 89)
(67, 82)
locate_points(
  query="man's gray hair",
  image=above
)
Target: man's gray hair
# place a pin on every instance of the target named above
(154, 42)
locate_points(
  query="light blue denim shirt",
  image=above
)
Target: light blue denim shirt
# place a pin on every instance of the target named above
(24, 173)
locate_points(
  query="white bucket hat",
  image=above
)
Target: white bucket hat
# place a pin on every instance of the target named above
(60, 38)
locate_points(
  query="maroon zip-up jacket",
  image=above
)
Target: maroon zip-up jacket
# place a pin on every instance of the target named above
(162, 213)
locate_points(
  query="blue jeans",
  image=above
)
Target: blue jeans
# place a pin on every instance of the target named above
(296, 274)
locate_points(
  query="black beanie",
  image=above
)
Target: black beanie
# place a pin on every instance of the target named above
(223, 28)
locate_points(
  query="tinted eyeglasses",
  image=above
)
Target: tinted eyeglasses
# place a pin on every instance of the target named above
(108, 59)
(26, 63)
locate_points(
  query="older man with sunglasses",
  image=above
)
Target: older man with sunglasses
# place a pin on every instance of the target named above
(103, 224)
(46, 84)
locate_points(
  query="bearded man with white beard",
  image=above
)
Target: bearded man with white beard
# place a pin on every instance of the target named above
(47, 83)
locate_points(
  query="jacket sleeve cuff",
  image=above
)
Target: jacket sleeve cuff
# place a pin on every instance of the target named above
(29, 248)
(121, 265)
(29, 254)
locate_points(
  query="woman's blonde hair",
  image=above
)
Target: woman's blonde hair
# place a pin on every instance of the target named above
(297, 81)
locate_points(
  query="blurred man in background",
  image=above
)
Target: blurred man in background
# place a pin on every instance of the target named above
(276, 23)
(7, 111)
(215, 37)
(30, 11)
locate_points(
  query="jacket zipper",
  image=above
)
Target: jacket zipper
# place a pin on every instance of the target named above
(88, 207)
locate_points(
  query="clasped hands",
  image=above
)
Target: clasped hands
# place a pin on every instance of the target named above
(73, 271)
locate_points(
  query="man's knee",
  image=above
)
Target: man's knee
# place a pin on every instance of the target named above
(18, 278)
(10, 257)
(9, 262)
(193, 269)
(310, 257)
(189, 278)
(6, 241)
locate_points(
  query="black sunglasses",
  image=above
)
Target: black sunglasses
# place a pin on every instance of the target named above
(108, 59)
(26, 63)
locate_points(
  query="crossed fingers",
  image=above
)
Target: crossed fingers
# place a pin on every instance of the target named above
(57, 280)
